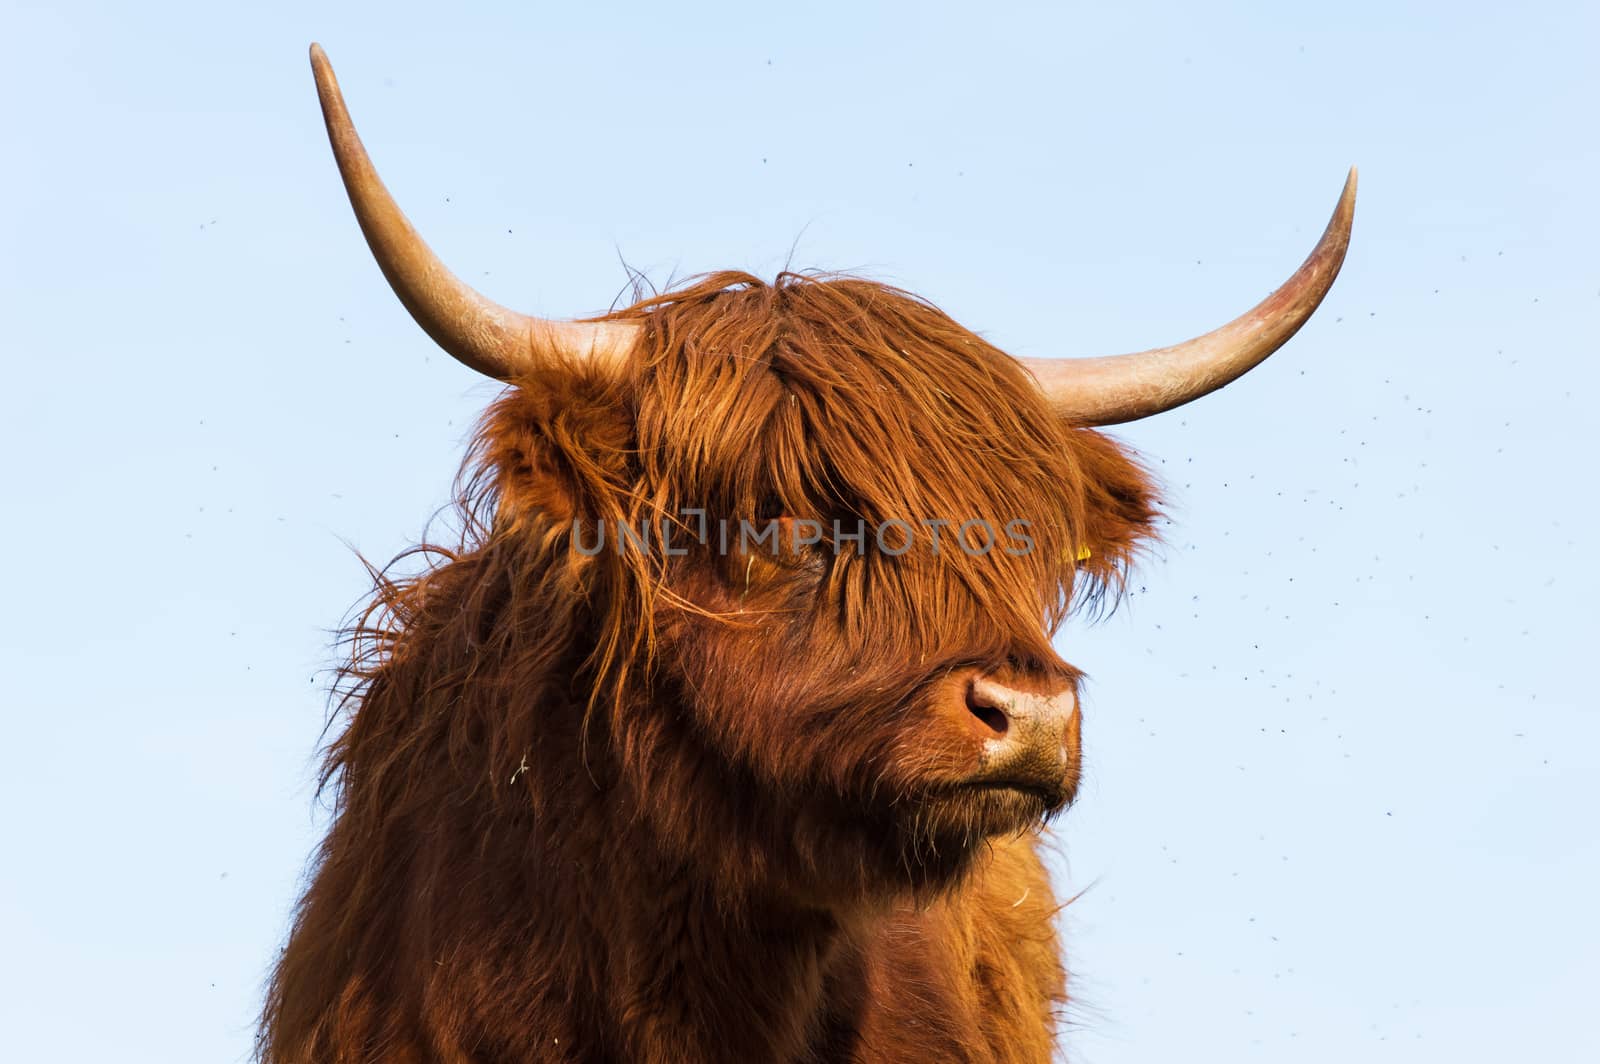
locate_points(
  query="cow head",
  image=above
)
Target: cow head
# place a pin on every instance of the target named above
(795, 551)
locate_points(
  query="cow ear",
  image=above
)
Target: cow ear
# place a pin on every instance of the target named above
(558, 447)
(1120, 505)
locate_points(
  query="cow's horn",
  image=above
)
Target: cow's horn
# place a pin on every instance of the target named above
(480, 332)
(1106, 391)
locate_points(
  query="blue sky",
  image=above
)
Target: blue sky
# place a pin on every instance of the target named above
(1342, 738)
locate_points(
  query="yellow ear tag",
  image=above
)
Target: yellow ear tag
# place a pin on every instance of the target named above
(1084, 554)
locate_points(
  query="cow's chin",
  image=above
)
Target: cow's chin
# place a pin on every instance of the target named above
(988, 810)
(961, 819)
(931, 841)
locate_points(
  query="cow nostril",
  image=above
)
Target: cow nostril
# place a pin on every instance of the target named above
(991, 716)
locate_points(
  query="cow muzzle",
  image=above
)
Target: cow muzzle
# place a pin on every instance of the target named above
(1029, 738)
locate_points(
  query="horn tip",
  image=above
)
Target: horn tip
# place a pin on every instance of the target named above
(1344, 213)
(320, 66)
(1347, 198)
(327, 82)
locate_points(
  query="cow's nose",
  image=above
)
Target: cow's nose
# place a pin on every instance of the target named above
(1030, 738)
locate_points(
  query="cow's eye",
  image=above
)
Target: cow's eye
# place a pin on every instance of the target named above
(798, 539)
(775, 547)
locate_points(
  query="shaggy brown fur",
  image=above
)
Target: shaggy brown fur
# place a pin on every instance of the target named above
(641, 807)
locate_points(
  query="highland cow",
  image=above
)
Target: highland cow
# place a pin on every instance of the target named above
(701, 797)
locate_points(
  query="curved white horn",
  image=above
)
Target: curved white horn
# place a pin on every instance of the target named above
(478, 331)
(1118, 388)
